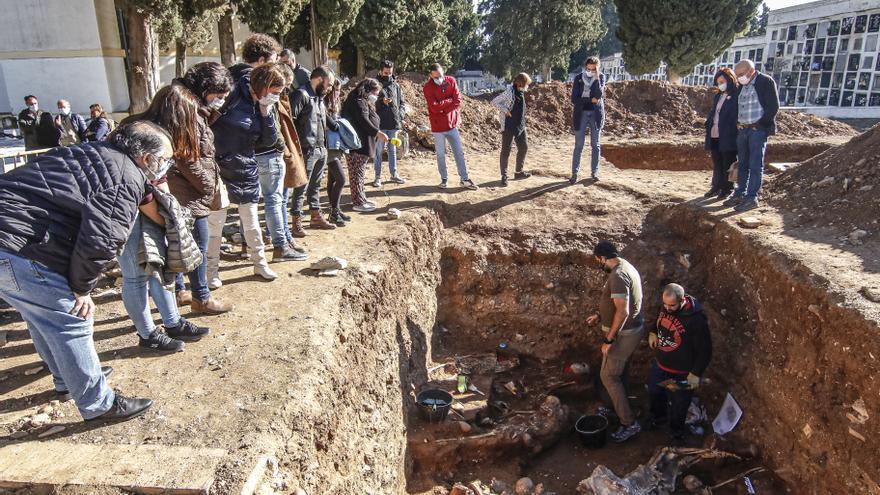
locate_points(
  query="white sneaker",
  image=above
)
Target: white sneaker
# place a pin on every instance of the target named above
(469, 184)
(215, 283)
(366, 207)
(265, 272)
(443, 184)
(376, 183)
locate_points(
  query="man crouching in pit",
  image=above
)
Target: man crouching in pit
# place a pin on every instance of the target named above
(620, 311)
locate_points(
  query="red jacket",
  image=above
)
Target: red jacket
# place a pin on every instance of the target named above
(443, 103)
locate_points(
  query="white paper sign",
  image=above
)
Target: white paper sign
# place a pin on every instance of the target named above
(728, 416)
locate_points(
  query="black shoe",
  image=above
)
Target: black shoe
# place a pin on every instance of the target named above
(336, 218)
(749, 204)
(65, 396)
(187, 330)
(733, 200)
(158, 341)
(343, 216)
(594, 177)
(724, 193)
(710, 193)
(125, 408)
(287, 253)
(522, 175)
(573, 179)
(504, 182)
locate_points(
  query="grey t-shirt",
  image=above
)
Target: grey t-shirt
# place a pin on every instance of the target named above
(624, 282)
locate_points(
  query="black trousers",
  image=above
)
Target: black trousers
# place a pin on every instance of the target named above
(335, 179)
(721, 162)
(522, 147)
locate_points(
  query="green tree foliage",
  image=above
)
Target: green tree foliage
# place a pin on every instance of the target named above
(463, 33)
(190, 22)
(270, 16)
(682, 33)
(332, 18)
(537, 35)
(607, 45)
(423, 38)
(378, 22)
(758, 23)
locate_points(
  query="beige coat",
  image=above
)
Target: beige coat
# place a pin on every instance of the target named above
(295, 165)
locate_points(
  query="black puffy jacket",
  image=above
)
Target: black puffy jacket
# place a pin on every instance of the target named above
(237, 133)
(71, 210)
(362, 115)
(310, 116)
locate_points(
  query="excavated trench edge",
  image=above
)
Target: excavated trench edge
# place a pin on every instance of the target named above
(356, 441)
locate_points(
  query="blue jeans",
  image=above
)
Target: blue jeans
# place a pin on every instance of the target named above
(63, 341)
(392, 154)
(198, 278)
(454, 139)
(588, 121)
(134, 289)
(285, 197)
(661, 397)
(271, 167)
(751, 146)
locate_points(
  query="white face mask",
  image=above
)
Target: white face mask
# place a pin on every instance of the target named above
(743, 80)
(160, 172)
(439, 80)
(270, 99)
(373, 98)
(722, 87)
(65, 110)
(34, 108)
(217, 103)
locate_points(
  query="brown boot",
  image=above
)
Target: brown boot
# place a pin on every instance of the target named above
(319, 222)
(184, 297)
(210, 306)
(296, 227)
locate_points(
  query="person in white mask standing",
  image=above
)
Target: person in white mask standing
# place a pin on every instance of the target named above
(444, 104)
(588, 97)
(758, 102)
(36, 126)
(72, 126)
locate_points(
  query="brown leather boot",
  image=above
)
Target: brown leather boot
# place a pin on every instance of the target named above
(210, 306)
(319, 222)
(296, 227)
(184, 297)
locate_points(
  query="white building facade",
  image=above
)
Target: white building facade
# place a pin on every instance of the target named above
(824, 56)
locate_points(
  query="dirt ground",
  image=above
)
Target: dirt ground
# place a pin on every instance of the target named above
(316, 373)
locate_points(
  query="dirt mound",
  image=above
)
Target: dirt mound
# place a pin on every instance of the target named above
(634, 109)
(840, 187)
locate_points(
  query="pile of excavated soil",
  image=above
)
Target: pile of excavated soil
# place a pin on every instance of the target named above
(635, 109)
(837, 188)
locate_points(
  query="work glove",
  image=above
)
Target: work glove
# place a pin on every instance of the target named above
(693, 380)
(652, 340)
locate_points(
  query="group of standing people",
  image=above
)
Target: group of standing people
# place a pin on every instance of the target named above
(742, 118)
(40, 129)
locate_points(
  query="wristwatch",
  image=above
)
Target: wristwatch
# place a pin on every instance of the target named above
(607, 341)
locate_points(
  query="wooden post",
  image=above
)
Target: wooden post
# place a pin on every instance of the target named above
(143, 59)
(227, 38)
(179, 58)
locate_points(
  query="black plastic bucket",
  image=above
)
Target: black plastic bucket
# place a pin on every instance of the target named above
(434, 404)
(593, 430)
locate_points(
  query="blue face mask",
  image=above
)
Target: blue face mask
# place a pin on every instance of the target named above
(722, 87)
(161, 169)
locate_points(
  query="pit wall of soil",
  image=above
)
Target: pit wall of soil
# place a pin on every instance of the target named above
(803, 368)
(348, 433)
(693, 156)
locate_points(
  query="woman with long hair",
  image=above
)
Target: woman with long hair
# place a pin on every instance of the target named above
(335, 172)
(247, 124)
(360, 109)
(175, 109)
(721, 132)
(195, 181)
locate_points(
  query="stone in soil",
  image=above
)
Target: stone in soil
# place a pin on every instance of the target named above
(871, 293)
(750, 222)
(52, 431)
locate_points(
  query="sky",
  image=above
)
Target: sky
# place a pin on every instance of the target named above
(779, 4)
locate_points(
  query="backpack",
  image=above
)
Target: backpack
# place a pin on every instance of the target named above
(344, 138)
